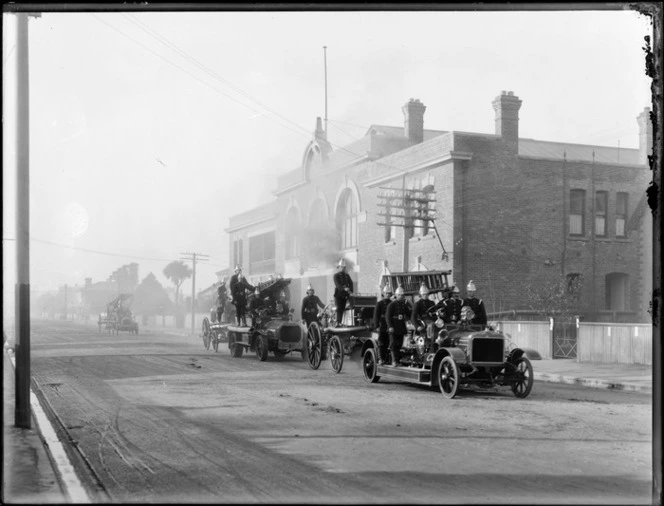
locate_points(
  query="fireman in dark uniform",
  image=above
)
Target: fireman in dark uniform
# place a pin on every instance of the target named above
(477, 305)
(234, 278)
(343, 290)
(380, 323)
(423, 316)
(240, 298)
(398, 312)
(310, 305)
(445, 308)
(222, 296)
(281, 307)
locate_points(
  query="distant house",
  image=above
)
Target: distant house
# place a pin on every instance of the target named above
(510, 212)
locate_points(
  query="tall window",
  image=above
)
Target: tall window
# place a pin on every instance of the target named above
(347, 220)
(621, 214)
(237, 252)
(600, 213)
(292, 231)
(616, 286)
(577, 204)
(261, 253)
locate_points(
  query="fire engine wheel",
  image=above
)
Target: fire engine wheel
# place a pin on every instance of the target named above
(236, 349)
(523, 377)
(314, 345)
(336, 353)
(206, 333)
(448, 377)
(369, 366)
(261, 348)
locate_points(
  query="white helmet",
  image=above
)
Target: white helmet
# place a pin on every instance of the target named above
(399, 291)
(238, 268)
(342, 263)
(424, 290)
(257, 291)
(310, 289)
(387, 290)
(471, 286)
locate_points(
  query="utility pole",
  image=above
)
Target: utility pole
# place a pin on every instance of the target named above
(194, 257)
(22, 292)
(325, 64)
(65, 309)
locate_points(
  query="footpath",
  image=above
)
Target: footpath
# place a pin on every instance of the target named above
(31, 474)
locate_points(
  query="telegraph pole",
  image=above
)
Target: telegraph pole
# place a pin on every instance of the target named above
(325, 64)
(194, 257)
(22, 292)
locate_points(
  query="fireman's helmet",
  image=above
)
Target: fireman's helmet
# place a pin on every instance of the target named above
(341, 264)
(257, 291)
(455, 289)
(238, 268)
(282, 296)
(310, 290)
(424, 290)
(471, 286)
(387, 290)
(399, 292)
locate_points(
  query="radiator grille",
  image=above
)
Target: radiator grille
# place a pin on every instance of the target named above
(289, 333)
(488, 350)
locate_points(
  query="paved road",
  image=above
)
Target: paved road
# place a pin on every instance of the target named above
(157, 418)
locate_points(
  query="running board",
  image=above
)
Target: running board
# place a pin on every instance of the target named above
(410, 374)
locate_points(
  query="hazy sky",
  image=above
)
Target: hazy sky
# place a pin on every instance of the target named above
(149, 130)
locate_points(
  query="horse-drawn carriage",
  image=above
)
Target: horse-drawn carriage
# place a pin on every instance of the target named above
(118, 316)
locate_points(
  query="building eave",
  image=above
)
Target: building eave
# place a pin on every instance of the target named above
(248, 224)
(436, 161)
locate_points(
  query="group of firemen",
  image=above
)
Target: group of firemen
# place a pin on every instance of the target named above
(390, 315)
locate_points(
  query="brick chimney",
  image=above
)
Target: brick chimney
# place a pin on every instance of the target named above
(507, 106)
(413, 114)
(645, 135)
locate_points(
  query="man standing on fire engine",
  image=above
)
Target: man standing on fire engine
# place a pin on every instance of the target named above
(310, 306)
(240, 298)
(475, 304)
(222, 297)
(343, 290)
(423, 317)
(380, 323)
(398, 313)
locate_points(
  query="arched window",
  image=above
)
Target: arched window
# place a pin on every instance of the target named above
(292, 233)
(317, 215)
(347, 220)
(616, 289)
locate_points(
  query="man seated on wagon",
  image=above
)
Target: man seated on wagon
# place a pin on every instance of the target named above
(423, 317)
(255, 305)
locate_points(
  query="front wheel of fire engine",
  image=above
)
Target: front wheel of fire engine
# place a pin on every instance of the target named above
(523, 377)
(336, 353)
(314, 345)
(236, 349)
(261, 348)
(206, 333)
(370, 366)
(448, 377)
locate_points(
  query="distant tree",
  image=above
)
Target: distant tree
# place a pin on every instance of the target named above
(177, 271)
(151, 298)
(560, 297)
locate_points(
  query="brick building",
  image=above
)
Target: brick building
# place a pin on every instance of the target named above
(510, 212)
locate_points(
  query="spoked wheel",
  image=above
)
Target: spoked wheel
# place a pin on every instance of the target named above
(448, 377)
(369, 366)
(314, 345)
(221, 333)
(236, 349)
(261, 348)
(336, 352)
(523, 377)
(206, 333)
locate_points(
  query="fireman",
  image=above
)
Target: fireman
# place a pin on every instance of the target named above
(222, 296)
(281, 307)
(255, 305)
(310, 305)
(240, 298)
(343, 290)
(477, 305)
(399, 311)
(423, 316)
(380, 323)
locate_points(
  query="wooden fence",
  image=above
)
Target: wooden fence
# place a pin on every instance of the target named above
(535, 335)
(622, 343)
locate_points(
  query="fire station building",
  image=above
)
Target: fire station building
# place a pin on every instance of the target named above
(509, 212)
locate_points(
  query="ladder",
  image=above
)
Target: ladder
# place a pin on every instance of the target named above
(435, 281)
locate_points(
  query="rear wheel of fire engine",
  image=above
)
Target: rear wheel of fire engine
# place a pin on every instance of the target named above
(369, 366)
(336, 352)
(448, 377)
(523, 377)
(215, 342)
(206, 333)
(261, 348)
(314, 345)
(236, 349)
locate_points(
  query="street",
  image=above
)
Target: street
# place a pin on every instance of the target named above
(155, 417)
